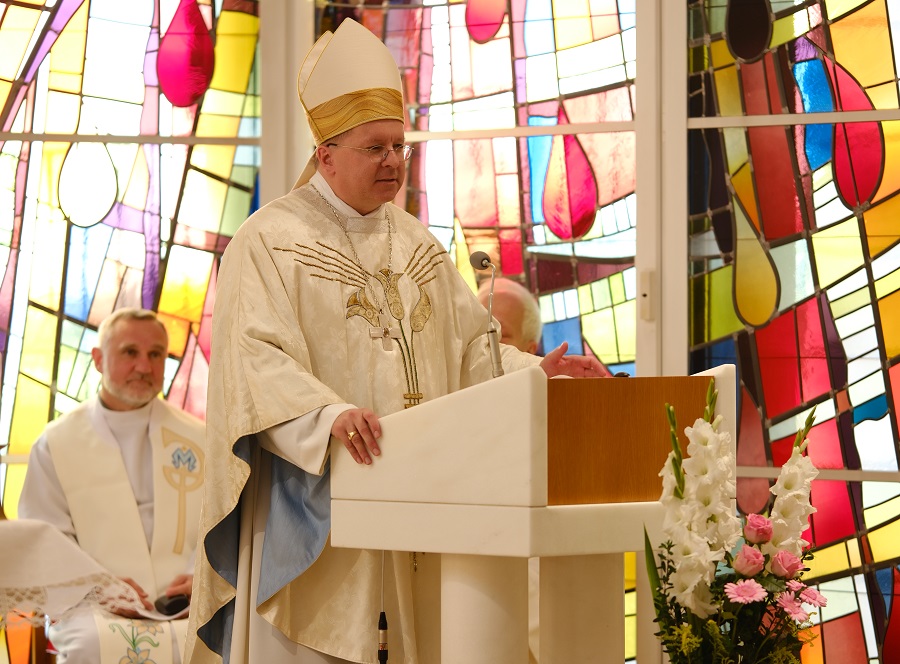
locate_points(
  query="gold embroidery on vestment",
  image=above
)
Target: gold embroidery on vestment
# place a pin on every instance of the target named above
(420, 269)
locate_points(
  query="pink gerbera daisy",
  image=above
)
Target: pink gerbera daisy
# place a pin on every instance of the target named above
(792, 607)
(793, 585)
(814, 597)
(745, 591)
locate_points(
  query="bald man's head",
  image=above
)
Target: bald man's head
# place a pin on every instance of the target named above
(517, 311)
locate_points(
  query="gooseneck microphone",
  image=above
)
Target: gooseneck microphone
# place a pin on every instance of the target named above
(481, 261)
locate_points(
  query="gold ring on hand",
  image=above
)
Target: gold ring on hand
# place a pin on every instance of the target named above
(350, 436)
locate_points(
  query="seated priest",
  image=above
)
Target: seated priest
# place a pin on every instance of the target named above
(334, 308)
(120, 474)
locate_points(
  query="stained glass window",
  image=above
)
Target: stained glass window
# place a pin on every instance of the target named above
(129, 151)
(795, 275)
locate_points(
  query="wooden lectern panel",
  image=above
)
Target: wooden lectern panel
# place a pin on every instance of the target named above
(607, 438)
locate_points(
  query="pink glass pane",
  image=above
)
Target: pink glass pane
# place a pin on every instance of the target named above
(186, 57)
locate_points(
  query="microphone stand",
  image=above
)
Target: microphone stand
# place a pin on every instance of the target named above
(481, 261)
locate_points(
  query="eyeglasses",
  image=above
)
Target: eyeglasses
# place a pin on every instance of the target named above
(378, 153)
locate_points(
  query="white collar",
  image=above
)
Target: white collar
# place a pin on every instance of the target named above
(327, 192)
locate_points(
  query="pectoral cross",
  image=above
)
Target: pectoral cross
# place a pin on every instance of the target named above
(385, 332)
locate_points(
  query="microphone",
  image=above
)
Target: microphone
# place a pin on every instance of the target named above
(382, 639)
(481, 261)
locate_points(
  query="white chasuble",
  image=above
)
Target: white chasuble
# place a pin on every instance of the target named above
(315, 307)
(100, 477)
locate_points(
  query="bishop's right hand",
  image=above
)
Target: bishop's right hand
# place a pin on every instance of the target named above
(358, 429)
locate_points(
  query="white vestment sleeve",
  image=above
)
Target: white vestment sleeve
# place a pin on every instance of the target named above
(303, 441)
(42, 495)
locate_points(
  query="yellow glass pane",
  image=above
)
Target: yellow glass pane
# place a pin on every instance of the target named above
(237, 209)
(236, 37)
(187, 278)
(838, 251)
(755, 281)
(252, 107)
(884, 96)
(880, 221)
(49, 258)
(599, 330)
(838, 8)
(631, 579)
(617, 288)
(5, 87)
(202, 202)
(744, 189)
(735, 148)
(38, 345)
(713, 290)
(828, 560)
(585, 301)
(853, 553)
(219, 102)
(890, 179)
(600, 294)
(53, 156)
(883, 513)
(12, 489)
(630, 637)
(862, 44)
(789, 27)
(215, 159)
(67, 54)
(16, 31)
(889, 309)
(721, 56)
(851, 302)
(139, 183)
(573, 23)
(178, 330)
(31, 410)
(887, 284)
(885, 542)
(626, 320)
(728, 92)
(217, 125)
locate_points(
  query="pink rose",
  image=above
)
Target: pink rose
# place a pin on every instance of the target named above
(758, 529)
(749, 561)
(786, 565)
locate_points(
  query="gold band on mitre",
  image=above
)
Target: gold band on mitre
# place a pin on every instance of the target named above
(352, 109)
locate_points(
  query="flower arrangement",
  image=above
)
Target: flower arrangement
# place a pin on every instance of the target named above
(726, 591)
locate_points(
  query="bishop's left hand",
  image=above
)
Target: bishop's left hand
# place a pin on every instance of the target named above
(557, 363)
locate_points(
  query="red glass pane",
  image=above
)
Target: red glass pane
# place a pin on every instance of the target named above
(779, 203)
(814, 374)
(891, 647)
(834, 519)
(777, 352)
(843, 640)
(752, 493)
(511, 251)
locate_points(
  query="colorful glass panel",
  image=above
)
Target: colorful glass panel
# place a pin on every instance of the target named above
(795, 266)
(152, 166)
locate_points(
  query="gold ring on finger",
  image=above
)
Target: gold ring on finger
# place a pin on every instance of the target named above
(350, 436)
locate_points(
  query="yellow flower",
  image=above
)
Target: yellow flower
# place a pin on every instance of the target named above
(136, 657)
